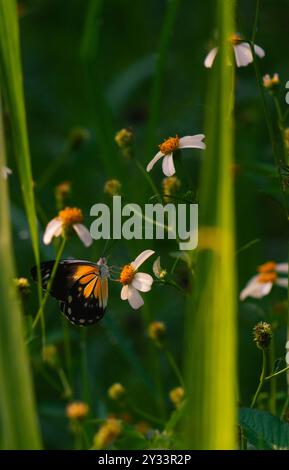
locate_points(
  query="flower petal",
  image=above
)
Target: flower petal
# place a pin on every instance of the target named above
(141, 258)
(192, 141)
(124, 292)
(83, 234)
(154, 161)
(256, 289)
(142, 282)
(168, 165)
(134, 298)
(282, 268)
(282, 282)
(6, 172)
(259, 51)
(243, 55)
(53, 229)
(209, 60)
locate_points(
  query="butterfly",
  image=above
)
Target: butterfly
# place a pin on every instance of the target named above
(80, 286)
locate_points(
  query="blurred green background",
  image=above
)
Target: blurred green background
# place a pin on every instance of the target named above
(99, 78)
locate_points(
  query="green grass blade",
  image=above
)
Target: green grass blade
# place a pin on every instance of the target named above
(161, 59)
(12, 87)
(17, 408)
(211, 324)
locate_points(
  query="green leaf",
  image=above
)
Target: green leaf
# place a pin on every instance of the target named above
(12, 83)
(17, 407)
(262, 427)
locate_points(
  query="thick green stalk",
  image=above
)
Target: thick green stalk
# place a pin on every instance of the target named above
(210, 354)
(12, 83)
(17, 407)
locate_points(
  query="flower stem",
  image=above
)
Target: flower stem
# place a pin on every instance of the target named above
(277, 159)
(161, 56)
(84, 367)
(146, 415)
(149, 180)
(40, 312)
(256, 20)
(64, 382)
(262, 379)
(273, 390)
(175, 368)
(276, 374)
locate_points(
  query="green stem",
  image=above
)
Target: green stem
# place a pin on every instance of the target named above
(64, 382)
(67, 351)
(53, 168)
(146, 415)
(285, 407)
(161, 57)
(175, 368)
(149, 180)
(84, 367)
(270, 128)
(40, 312)
(273, 389)
(256, 20)
(262, 379)
(276, 374)
(281, 127)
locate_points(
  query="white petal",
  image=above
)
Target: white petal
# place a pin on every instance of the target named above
(282, 268)
(6, 172)
(83, 234)
(134, 298)
(192, 141)
(154, 161)
(124, 292)
(282, 282)
(168, 165)
(259, 51)
(142, 282)
(209, 60)
(243, 55)
(140, 259)
(256, 289)
(53, 229)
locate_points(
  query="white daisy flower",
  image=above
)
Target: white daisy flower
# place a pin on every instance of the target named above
(6, 172)
(261, 284)
(170, 145)
(133, 281)
(242, 52)
(67, 219)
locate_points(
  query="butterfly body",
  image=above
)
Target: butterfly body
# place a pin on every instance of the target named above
(80, 286)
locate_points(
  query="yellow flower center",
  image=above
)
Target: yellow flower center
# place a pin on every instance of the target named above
(235, 39)
(71, 216)
(169, 145)
(127, 274)
(267, 267)
(267, 277)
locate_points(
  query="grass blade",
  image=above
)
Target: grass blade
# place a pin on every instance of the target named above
(18, 417)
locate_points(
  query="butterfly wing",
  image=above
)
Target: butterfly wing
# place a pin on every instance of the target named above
(79, 286)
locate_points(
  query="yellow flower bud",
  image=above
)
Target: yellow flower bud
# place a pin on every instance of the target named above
(116, 391)
(156, 332)
(77, 410)
(176, 396)
(112, 187)
(107, 433)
